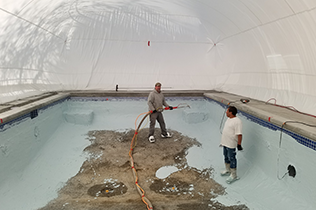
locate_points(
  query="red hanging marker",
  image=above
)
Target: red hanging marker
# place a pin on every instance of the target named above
(148, 43)
(1, 120)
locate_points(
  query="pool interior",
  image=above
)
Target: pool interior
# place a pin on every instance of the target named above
(263, 158)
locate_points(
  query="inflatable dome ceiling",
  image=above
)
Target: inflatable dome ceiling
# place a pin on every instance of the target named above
(258, 49)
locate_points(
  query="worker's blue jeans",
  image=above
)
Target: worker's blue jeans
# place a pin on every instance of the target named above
(230, 156)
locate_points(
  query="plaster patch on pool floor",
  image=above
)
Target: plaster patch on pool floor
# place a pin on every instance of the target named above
(165, 171)
(105, 180)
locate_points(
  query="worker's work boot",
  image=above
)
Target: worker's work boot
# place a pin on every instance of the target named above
(151, 139)
(226, 172)
(233, 176)
(168, 135)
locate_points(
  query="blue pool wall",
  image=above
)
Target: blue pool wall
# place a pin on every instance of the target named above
(23, 137)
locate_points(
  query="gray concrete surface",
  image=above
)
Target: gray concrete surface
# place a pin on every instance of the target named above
(19, 108)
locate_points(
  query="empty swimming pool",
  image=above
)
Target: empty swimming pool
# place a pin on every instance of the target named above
(40, 153)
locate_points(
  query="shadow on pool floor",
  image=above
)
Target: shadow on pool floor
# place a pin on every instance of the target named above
(106, 181)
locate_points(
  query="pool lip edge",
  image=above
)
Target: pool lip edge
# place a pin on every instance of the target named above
(270, 114)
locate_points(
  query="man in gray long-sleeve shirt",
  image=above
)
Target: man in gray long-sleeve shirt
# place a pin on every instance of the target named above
(156, 101)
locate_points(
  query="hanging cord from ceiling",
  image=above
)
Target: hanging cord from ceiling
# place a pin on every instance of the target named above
(290, 168)
(244, 101)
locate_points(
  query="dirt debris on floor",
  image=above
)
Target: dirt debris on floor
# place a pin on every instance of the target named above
(106, 181)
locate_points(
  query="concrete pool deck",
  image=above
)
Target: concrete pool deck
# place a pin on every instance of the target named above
(267, 112)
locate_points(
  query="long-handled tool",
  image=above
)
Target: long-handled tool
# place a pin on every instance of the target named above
(178, 107)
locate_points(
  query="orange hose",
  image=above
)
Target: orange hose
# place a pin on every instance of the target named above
(139, 189)
(290, 108)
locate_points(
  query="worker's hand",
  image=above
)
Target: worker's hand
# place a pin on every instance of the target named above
(170, 107)
(153, 111)
(239, 147)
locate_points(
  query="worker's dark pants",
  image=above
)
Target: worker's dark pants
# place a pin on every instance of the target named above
(157, 116)
(230, 156)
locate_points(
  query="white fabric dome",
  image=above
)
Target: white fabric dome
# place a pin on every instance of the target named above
(259, 49)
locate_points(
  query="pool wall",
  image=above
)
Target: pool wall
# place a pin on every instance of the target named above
(23, 137)
(262, 165)
(265, 159)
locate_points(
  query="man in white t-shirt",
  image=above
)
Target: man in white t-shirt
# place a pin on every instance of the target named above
(231, 138)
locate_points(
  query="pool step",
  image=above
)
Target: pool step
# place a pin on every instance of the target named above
(79, 117)
(193, 116)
